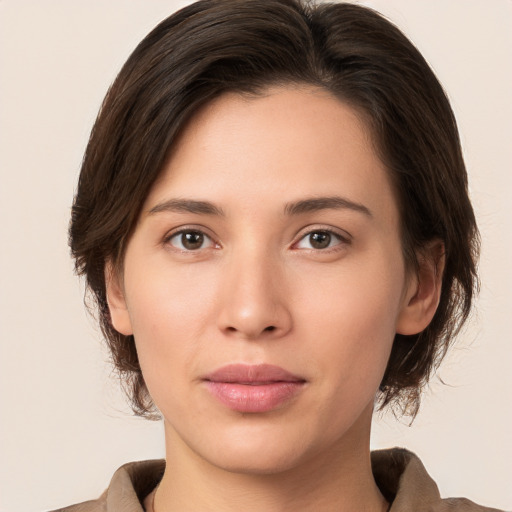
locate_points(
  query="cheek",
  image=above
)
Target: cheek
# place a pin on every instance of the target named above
(163, 295)
(168, 309)
(353, 317)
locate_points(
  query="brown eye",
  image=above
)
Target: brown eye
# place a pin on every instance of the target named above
(190, 240)
(320, 240)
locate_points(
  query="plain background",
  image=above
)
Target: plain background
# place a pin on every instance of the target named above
(65, 427)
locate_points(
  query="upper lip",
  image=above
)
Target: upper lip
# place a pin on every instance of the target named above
(251, 374)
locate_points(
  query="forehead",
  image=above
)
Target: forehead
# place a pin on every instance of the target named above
(284, 144)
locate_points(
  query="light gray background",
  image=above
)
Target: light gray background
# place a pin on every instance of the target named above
(64, 426)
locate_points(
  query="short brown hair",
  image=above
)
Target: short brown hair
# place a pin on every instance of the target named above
(215, 46)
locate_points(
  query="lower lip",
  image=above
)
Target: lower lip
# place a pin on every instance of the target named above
(254, 398)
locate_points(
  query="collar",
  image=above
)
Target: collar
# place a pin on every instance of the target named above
(399, 474)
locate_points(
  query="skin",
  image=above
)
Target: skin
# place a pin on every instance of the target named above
(258, 289)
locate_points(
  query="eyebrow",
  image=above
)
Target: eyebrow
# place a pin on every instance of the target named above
(315, 204)
(312, 204)
(187, 206)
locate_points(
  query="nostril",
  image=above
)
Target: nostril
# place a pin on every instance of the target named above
(250, 332)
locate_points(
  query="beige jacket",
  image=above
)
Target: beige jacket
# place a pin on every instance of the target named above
(399, 474)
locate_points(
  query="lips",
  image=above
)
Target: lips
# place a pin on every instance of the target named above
(253, 388)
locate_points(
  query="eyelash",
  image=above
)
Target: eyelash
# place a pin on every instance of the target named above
(342, 240)
(186, 230)
(331, 234)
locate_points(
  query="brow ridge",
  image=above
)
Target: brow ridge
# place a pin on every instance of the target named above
(187, 206)
(314, 204)
(302, 206)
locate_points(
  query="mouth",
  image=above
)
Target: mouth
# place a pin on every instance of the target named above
(254, 388)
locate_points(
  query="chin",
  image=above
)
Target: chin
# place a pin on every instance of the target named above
(256, 462)
(257, 451)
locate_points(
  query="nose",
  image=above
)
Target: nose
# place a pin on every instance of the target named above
(253, 303)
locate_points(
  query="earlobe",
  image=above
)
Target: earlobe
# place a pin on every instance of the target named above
(424, 291)
(116, 301)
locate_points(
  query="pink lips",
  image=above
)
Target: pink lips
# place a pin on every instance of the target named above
(253, 388)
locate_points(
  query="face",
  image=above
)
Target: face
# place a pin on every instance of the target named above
(264, 282)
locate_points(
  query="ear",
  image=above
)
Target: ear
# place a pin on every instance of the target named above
(423, 291)
(116, 301)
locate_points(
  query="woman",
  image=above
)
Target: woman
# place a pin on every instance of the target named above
(272, 215)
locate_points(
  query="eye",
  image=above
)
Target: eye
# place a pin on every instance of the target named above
(190, 240)
(320, 239)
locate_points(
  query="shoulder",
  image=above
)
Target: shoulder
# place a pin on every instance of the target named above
(405, 483)
(98, 505)
(464, 505)
(129, 486)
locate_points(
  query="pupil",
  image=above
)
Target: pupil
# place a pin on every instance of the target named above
(320, 240)
(192, 240)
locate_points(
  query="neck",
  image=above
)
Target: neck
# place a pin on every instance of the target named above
(340, 480)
